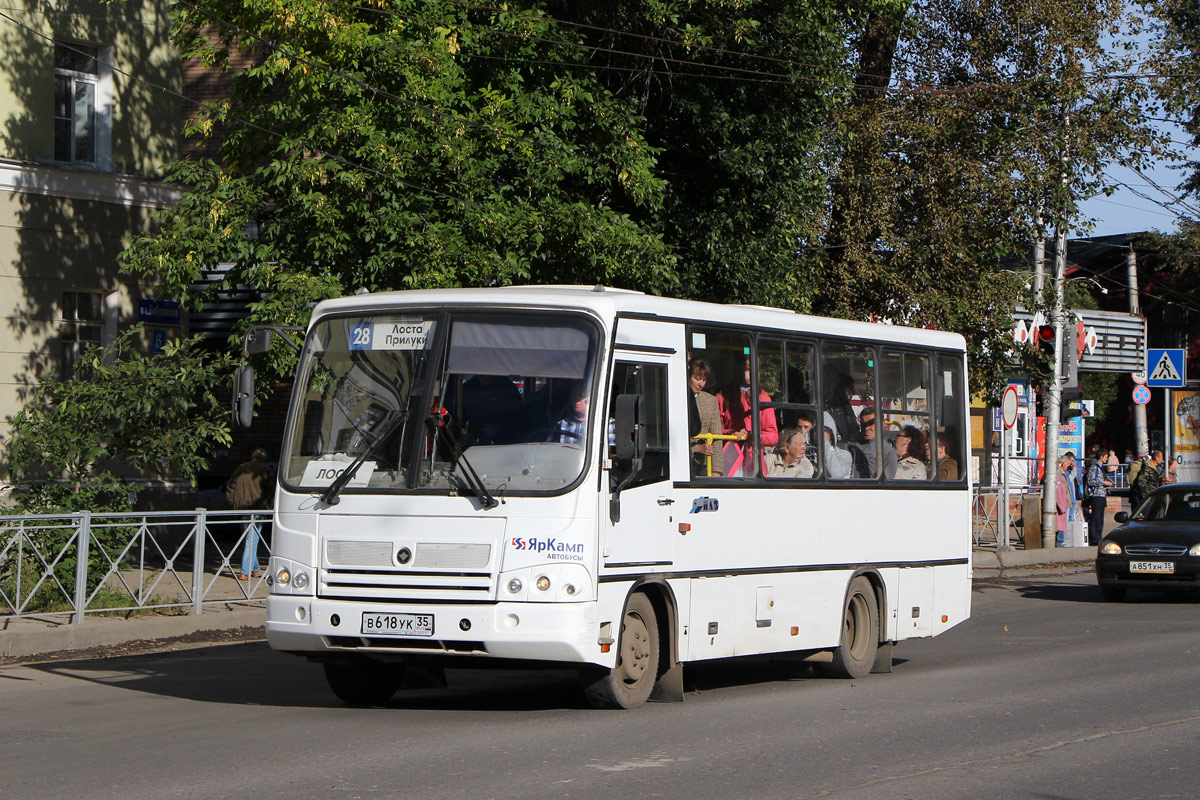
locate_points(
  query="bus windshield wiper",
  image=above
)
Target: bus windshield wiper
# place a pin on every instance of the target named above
(468, 473)
(330, 496)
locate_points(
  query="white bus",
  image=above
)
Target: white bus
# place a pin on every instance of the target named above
(452, 492)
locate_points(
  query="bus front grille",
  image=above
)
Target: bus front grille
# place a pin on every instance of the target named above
(399, 586)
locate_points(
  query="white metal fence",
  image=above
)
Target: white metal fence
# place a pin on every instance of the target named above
(166, 561)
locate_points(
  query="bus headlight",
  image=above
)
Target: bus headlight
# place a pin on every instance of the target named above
(1114, 549)
(283, 577)
(515, 586)
(301, 580)
(543, 583)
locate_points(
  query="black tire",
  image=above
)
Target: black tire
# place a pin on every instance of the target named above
(629, 683)
(854, 656)
(363, 682)
(1112, 594)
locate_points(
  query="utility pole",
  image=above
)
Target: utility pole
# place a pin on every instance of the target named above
(1054, 399)
(1142, 434)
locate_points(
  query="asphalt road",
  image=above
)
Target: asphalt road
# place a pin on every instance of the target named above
(1047, 692)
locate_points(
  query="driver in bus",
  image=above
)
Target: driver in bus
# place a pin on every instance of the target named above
(572, 425)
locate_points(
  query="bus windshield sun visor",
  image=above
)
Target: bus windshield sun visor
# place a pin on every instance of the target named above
(519, 348)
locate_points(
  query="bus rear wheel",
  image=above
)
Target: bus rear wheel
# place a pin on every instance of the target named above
(629, 683)
(854, 656)
(363, 682)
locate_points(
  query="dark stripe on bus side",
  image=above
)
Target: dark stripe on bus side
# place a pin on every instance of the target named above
(733, 573)
(644, 348)
(817, 483)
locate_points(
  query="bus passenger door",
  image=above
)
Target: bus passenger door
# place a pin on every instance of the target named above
(646, 498)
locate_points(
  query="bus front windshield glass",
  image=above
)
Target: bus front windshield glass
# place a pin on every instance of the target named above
(500, 404)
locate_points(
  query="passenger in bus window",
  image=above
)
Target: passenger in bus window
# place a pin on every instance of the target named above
(839, 463)
(947, 465)
(709, 415)
(790, 457)
(867, 448)
(910, 446)
(839, 389)
(737, 419)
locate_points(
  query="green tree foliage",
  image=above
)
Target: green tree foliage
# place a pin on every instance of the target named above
(876, 159)
(409, 145)
(1177, 61)
(997, 118)
(121, 406)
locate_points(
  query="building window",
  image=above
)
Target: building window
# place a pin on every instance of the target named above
(82, 104)
(83, 325)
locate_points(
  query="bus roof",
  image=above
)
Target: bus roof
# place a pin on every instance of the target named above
(607, 302)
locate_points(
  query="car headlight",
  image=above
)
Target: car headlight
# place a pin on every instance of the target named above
(1110, 549)
(1194, 550)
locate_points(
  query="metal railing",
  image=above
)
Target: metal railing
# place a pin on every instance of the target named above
(125, 563)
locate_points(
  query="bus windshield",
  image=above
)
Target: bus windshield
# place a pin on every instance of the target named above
(497, 404)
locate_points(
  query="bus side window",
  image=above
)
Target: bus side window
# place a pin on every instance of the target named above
(904, 396)
(650, 381)
(948, 410)
(848, 384)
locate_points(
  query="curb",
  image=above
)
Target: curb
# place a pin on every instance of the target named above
(27, 641)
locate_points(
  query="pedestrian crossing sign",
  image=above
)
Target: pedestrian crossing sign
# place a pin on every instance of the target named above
(1165, 367)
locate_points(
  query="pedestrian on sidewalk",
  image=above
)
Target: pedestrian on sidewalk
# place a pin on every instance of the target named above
(1148, 478)
(248, 489)
(1062, 500)
(1097, 486)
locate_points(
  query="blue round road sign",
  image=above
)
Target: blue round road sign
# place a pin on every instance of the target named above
(1141, 395)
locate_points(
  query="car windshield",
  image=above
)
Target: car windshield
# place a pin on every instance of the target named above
(496, 402)
(1171, 505)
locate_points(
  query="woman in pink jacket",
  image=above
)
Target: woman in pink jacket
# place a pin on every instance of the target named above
(737, 415)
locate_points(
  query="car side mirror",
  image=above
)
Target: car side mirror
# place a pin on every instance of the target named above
(1121, 517)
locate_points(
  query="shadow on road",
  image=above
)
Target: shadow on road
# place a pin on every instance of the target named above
(1090, 593)
(253, 674)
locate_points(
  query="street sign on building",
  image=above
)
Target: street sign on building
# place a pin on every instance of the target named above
(1166, 367)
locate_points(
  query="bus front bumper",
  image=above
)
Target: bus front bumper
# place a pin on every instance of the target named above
(564, 632)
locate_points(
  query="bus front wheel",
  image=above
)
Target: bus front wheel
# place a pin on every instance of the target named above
(628, 684)
(855, 655)
(363, 682)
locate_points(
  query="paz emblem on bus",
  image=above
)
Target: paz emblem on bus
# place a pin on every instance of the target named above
(704, 504)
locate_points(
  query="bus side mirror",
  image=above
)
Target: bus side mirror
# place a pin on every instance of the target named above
(630, 432)
(257, 342)
(243, 396)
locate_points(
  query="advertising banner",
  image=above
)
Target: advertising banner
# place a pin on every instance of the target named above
(1185, 424)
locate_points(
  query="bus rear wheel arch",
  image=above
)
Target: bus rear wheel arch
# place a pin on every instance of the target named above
(639, 652)
(855, 655)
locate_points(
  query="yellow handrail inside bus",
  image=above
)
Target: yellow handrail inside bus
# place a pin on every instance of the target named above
(709, 438)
